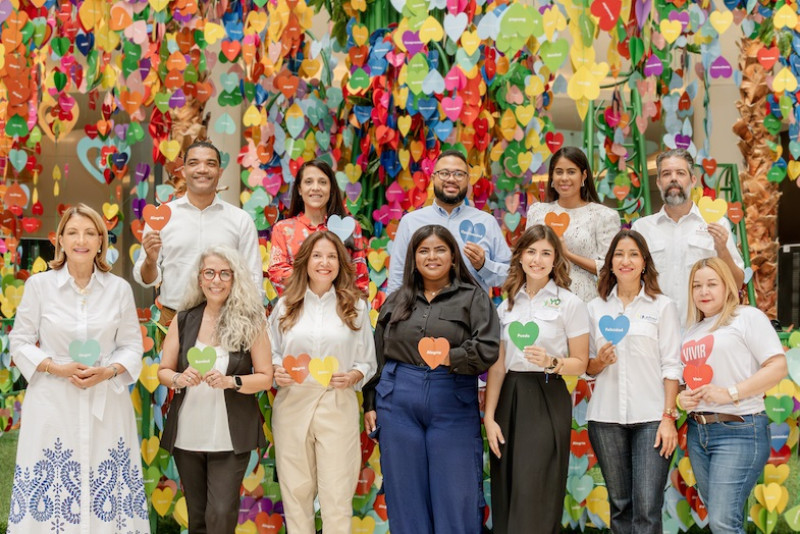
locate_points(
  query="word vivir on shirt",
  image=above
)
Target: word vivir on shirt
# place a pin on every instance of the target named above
(697, 352)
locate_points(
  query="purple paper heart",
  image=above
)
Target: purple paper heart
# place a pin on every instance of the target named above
(121, 130)
(680, 16)
(720, 68)
(142, 172)
(137, 205)
(144, 67)
(245, 506)
(412, 42)
(683, 141)
(5, 10)
(353, 191)
(177, 100)
(653, 66)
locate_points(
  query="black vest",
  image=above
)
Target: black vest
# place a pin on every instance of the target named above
(245, 421)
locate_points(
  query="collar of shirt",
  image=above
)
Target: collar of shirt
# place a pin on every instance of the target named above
(301, 217)
(184, 202)
(662, 215)
(443, 212)
(454, 286)
(641, 296)
(63, 277)
(549, 290)
(327, 296)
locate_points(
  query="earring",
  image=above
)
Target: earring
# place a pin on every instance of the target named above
(644, 270)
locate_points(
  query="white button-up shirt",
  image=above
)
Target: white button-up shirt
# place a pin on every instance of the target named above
(320, 332)
(631, 390)
(188, 233)
(559, 314)
(677, 246)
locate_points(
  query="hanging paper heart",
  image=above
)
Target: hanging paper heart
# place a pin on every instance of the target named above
(84, 146)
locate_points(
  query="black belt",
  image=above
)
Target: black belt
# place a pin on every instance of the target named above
(706, 418)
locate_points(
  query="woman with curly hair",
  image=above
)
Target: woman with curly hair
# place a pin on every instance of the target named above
(215, 357)
(528, 413)
(322, 350)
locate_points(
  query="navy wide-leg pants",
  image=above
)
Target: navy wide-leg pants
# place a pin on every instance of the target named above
(431, 450)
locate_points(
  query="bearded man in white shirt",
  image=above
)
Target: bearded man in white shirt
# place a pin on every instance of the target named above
(678, 236)
(199, 220)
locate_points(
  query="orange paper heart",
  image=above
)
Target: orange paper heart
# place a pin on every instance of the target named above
(433, 351)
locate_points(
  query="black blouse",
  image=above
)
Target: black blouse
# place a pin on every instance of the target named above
(462, 313)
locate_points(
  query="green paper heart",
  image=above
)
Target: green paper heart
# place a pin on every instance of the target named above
(27, 32)
(85, 352)
(684, 511)
(230, 99)
(190, 74)
(792, 517)
(161, 101)
(554, 53)
(39, 30)
(200, 39)
(794, 341)
(517, 20)
(772, 124)
(354, 207)
(129, 66)
(59, 80)
(768, 520)
(636, 48)
(34, 137)
(586, 25)
(16, 126)
(776, 174)
(151, 475)
(202, 360)
(779, 408)
(523, 335)
(295, 147)
(785, 103)
(134, 134)
(417, 70)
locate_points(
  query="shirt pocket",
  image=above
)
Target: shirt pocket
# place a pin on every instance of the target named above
(700, 246)
(658, 250)
(548, 321)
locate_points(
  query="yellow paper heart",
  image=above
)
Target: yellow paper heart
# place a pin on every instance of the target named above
(14, 295)
(581, 55)
(553, 21)
(785, 17)
(360, 34)
(353, 172)
(149, 377)
(431, 30)
(524, 160)
(159, 5)
(401, 95)
(508, 124)
(776, 474)
(181, 513)
(363, 525)
(793, 169)
(582, 104)
(721, 20)
(373, 317)
(784, 81)
(269, 290)
(794, 434)
(39, 265)
(535, 86)
(470, 42)
(252, 117)
(213, 32)
(712, 210)
(597, 503)
(769, 495)
(404, 156)
(170, 149)
(571, 382)
(322, 370)
(110, 210)
(670, 29)
(377, 259)
(583, 85)
(252, 480)
(755, 515)
(524, 114)
(685, 469)
(256, 21)
(150, 449)
(373, 290)
(404, 124)
(91, 13)
(162, 499)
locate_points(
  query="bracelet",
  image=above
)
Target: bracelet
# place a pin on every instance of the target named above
(47, 367)
(670, 414)
(175, 380)
(113, 368)
(678, 402)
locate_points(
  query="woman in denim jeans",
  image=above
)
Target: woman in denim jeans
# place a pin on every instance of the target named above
(632, 411)
(728, 436)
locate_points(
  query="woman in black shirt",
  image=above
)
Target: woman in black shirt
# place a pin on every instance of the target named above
(434, 336)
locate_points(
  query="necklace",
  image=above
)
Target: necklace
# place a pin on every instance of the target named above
(436, 292)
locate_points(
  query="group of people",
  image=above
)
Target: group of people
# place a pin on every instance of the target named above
(583, 297)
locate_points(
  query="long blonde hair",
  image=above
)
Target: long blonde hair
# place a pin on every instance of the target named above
(731, 293)
(347, 295)
(83, 210)
(242, 317)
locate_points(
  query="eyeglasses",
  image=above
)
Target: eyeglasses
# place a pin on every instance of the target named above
(446, 174)
(224, 275)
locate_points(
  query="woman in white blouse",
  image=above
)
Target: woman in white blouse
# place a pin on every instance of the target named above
(215, 357)
(322, 350)
(737, 350)
(574, 211)
(635, 344)
(76, 339)
(545, 335)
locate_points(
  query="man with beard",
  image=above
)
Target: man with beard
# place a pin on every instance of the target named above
(481, 240)
(677, 236)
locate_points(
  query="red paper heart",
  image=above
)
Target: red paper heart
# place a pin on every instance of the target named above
(297, 367)
(580, 443)
(554, 141)
(365, 481)
(433, 350)
(697, 375)
(268, 524)
(156, 217)
(608, 13)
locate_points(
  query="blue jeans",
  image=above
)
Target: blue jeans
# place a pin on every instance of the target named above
(727, 459)
(635, 474)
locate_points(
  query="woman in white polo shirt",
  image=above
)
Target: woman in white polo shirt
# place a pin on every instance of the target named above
(728, 437)
(528, 413)
(635, 354)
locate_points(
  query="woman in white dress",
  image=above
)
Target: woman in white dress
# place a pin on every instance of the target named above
(574, 212)
(78, 466)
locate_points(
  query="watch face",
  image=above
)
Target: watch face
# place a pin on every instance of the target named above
(238, 381)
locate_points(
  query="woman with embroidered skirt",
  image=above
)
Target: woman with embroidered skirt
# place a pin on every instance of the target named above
(316, 198)
(728, 436)
(632, 410)
(574, 210)
(76, 339)
(215, 358)
(434, 336)
(322, 350)
(528, 413)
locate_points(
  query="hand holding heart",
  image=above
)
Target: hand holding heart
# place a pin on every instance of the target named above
(89, 376)
(720, 235)
(282, 377)
(689, 399)
(606, 355)
(713, 394)
(189, 377)
(345, 380)
(475, 254)
(151, 242)
(217, 380)
(536, 355)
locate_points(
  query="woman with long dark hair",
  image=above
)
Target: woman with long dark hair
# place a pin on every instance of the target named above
(434, 336)
(575, 213)
(321, 318)
(544, 336)
(315, 199)
(635, 357)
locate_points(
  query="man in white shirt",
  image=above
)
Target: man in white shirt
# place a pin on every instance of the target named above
(485, 251)
(199, 220)
(677, 236)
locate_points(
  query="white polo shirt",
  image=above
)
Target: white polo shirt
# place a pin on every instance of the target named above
(677, 246)
(631, 390)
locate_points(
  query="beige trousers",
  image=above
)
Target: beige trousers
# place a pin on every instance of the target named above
(317, 452)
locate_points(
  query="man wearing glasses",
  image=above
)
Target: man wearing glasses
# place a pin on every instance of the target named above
(482, 243)
(200, 219)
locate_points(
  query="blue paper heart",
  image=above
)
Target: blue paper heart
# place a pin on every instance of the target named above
(614, 329)
(471, 233)
(779, 435)
(343, 227)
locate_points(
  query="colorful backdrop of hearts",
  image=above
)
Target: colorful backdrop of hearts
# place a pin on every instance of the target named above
(419, 75)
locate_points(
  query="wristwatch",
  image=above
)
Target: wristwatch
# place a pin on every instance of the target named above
(237, 382)
(733, 391)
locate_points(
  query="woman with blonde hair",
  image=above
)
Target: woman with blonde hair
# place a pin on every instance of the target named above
(545, 331)
(76, 339)
(322, 350)
(215, 357)
(731, 355)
